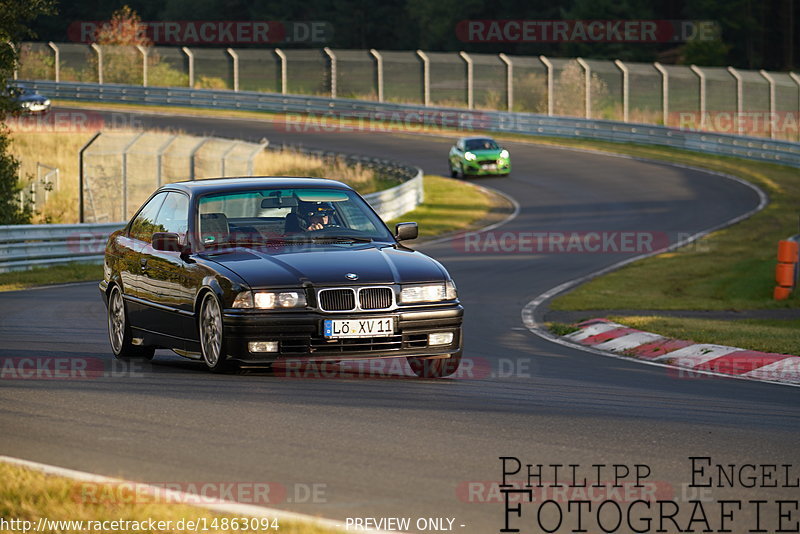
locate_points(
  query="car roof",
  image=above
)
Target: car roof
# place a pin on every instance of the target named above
(244, 183)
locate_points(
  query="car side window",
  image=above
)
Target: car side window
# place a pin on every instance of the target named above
(174, 214)
(144, 225)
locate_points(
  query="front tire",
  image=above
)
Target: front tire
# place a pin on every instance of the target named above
(212, 343)
(119, 330)
(435, 368)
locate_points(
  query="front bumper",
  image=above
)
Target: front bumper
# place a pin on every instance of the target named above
(299, 334)
(476, 168)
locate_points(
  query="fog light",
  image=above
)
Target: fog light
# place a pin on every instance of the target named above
(262, 346)
(440, 338)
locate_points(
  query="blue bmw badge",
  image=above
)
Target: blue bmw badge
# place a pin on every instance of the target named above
(351, 276)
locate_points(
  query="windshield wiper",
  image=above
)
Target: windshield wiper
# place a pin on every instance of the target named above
(339, 238)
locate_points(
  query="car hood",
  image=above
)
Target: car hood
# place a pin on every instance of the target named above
(326, 265)
(494, 153)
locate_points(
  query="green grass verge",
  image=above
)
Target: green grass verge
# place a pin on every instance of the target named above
(730, 269)
(450, 205)
(561, 329)
(58, 274)
(27, 495)
(768, 335)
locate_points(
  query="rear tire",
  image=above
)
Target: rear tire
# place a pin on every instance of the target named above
(119, 330)
(435, 368)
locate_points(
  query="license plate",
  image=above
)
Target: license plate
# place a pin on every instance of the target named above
(336, 328)
(489, 167)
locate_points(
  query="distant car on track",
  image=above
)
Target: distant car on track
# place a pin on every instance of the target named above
(29, 100)
(252, 271)
(478, 156)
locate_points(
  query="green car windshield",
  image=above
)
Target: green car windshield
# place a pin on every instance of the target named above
(263, 216)
(481, 144)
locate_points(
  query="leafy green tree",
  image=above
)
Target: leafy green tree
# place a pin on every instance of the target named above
(15, 15)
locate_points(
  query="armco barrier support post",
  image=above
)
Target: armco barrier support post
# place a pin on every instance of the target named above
(331, 69)
(282, 57)
(235, 64)
(190, 59)
(426, 77)
(468, 62)
(702, 76)
(796, 79)
(785, 270)
(771, 81)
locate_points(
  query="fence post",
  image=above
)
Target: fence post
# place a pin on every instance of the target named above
(426, 77)
(99, 51)
(587, 97)
(56, 60)
(625, 88)
(702, 76)
(125, 173)
(16, 58)
(159, 158)
(332, 59)
(509, 80)
(193, 154)
(264, 144)
(234, 144)
(470, 94)
(771, 82)
(739, 101)
(378, 72)
(664, 92)
(235, 58)
(190, 58)
(549, 66)
(145, 52)
(282, 57)
(796, 79)
(81, 176)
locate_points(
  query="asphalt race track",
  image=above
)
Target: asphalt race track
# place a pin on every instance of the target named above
(402, 446)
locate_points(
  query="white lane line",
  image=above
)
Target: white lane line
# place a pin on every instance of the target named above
(695, 355)
(172, 496)
(593, 330)
(629, 341)
(787, 369)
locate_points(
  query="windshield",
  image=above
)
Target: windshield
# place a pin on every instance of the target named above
(481, 144)
(267, 216)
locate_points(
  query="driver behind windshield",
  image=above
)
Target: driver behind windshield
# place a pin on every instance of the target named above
(315, 215)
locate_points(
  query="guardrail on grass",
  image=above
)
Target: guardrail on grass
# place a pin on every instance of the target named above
(444, 118)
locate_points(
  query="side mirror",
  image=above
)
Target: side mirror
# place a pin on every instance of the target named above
(406, 231)
(167, 241)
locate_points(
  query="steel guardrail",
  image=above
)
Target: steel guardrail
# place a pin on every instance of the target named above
(754, 148)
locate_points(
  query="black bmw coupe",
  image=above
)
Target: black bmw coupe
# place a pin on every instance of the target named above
(252, 271)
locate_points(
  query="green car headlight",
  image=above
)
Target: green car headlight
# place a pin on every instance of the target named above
(504, 154)
(469, 156)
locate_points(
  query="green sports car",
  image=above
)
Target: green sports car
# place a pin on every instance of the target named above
(478, 156)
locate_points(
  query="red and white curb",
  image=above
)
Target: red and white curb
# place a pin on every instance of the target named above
(605, 335)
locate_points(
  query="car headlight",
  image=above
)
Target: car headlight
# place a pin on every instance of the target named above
(504, 154)
(428, 293)
(469, 156)
(269, 300)
(46, 102)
